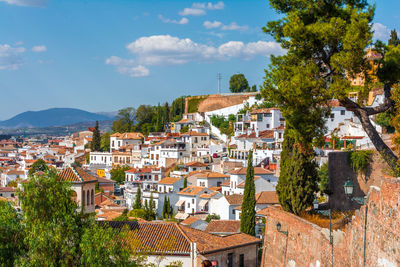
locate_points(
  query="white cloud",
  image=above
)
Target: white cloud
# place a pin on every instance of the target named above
(234, 27)
(218, 6)
(211, 25)
(39, 48)
(128, 66)
(35, 3)
(381, 32)
(192, 12)
(170, 50)
(199, 9)
(166, 20)
(10, 57)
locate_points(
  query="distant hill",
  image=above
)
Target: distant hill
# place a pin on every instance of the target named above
(52, 117)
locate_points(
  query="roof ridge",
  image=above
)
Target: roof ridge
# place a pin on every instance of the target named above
(183, 232)
(76, 173)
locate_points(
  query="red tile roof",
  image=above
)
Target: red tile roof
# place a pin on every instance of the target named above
(169, 180)
(190, 220)
(257, 171)
(234, 199)
(223, 227)
(267, 197)
(174, 239)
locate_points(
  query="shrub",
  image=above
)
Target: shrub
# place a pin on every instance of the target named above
(360, 159)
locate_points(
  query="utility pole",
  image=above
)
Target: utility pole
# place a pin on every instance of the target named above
(219, 82)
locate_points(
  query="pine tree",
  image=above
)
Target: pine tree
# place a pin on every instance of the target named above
(248, 217)
(96, 139)
(185, 182)
(138, 200)
(298, 179)
(394, 39)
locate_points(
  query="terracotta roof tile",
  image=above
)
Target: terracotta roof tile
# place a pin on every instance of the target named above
(191, 190)
(190, 220)
(267, 197)
(75, 174)
(212, 175)
(257, 171)
(169, 180)
(234, 199)
(223, 227)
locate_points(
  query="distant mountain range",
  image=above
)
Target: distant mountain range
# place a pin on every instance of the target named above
(54, 117)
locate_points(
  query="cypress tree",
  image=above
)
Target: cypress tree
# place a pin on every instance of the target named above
(298, 179)
(95, 145)
(170, 210)
(138, 200)
(164, 210)
(248, 217)
(185, 183)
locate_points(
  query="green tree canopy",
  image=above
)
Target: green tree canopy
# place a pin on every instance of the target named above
(298, 179)
(326, 43)
(105, 142)
(11, 234)
(124, 121)
(394, 39)
(248, 217)
(38, 166)
(238, 83)
(95, 144)
(118, 173)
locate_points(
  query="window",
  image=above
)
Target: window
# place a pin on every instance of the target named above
(92, 197)
(188, 204)
(343, 112)
(267, 125)
(241, 260)
(259, 117)
(83, 198)
(233, 212)
(332, 115)
(193, 200)
(88, 198)
(112, 143)
(268, 115)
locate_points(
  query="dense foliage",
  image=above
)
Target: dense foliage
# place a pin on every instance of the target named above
(360, 159)
(52, 232)
(38, 166)
(212, 216)
(238, 84)
(118, 173)
(224, 125)
(326, 44)
(248, 216)
(96, 139)
(298, 179)
(167, 211)
(323, 174)
(148, 118)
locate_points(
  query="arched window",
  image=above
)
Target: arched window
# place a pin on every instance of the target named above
(88, 198)
(92, 197)
(83, 198)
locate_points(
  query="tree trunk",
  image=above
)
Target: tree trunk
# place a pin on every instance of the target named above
(363, 115)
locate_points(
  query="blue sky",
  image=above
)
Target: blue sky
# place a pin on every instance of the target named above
(103, 55)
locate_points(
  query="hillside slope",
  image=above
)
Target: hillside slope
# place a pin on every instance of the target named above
(51, 117)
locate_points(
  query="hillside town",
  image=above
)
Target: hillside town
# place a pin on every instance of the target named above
(301, 170)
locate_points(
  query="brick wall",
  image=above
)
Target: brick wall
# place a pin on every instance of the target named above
(308, 244)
